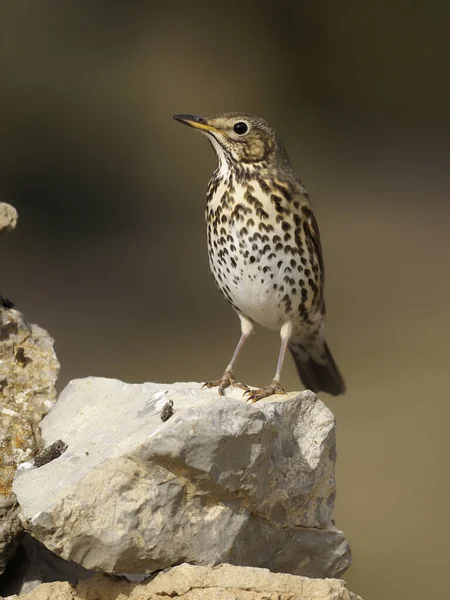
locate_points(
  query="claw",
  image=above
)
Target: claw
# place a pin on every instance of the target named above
(227, 380)
(265, 392)
(210, 384)
(241, 386)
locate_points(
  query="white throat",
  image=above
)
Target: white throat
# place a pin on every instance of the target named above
(223, 168)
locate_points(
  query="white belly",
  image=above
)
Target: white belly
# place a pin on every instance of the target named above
(255, 281)
(259, 301)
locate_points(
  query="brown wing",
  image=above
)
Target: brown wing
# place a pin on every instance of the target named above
(312, 236)
(315, 235)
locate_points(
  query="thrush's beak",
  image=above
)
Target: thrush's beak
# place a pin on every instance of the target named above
(196, 122)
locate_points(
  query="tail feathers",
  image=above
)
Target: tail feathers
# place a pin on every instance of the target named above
(316, 376)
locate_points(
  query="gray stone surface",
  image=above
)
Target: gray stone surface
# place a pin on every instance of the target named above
(28, 372)
(8, 217)
(219, 481)
(188, 582)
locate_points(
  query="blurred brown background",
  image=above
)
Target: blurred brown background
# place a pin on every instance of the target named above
(110, 255)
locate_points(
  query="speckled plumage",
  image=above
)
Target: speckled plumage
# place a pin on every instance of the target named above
(264, 247)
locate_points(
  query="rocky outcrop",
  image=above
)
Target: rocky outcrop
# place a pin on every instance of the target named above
(140, 489)
(133, 479)
(187, 582)
(28, 372)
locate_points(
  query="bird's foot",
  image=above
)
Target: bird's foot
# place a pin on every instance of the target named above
(227, 380)
(269, 390)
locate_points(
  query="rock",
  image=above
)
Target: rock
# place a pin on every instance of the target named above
(28, 372)
(10, 525)
(187, 582)
(33, 564)
(218, 481)
(8, 217)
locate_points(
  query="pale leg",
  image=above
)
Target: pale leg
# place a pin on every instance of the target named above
(227, 378)
(274, 387)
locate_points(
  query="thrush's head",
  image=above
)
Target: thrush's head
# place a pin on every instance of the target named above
(240, 138)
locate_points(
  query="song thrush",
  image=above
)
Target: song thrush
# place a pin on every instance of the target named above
(264, 248)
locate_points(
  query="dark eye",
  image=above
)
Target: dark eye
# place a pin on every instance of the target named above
(241, 128)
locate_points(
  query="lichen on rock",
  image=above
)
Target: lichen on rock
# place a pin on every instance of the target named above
(28, 373)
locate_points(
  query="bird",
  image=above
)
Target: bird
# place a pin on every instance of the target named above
(265, 251)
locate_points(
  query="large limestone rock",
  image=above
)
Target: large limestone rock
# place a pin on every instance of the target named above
(218, 481)
(28, 372)
(186, 582)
